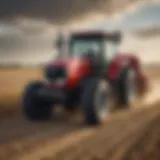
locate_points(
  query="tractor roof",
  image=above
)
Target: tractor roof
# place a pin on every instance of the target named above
(114, 36)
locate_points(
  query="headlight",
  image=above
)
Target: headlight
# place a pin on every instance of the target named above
(55, 74)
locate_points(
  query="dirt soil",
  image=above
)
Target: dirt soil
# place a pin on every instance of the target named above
(127, 135)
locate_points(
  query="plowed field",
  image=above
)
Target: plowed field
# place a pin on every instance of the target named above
(127, 135)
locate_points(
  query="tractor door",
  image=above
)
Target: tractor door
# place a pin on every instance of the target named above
(110, 50)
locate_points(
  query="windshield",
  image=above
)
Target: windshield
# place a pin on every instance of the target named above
(81, 47)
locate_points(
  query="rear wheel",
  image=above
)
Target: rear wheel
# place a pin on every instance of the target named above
(128, 88)
(96, 100)
(35, 108)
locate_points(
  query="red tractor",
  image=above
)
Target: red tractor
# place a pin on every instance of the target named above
(90, 74)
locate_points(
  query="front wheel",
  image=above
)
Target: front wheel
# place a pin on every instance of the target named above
(35, 108)
(96, 100)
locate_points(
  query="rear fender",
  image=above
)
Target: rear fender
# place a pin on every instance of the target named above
(119, 63)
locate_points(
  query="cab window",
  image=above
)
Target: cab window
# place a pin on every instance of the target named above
(110, 50)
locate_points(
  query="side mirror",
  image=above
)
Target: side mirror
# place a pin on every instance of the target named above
(118, 37)
(58, 43)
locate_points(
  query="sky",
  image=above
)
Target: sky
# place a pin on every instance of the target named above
(60, 11)
(30, 39)
(137, 16)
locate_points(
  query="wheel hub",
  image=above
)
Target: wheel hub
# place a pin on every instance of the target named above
(102, 99)
(131, 86)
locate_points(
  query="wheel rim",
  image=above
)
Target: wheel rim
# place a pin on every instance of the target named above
(102, 100)
(131, 86)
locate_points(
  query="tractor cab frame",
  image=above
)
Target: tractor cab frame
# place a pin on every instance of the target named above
(99, 47)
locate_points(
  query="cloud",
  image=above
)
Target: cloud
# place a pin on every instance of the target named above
(34, 27)
(149, 32)
(58, 11)
(27, 27)
(25, 34)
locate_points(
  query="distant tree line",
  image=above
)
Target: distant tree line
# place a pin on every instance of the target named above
(16, 65)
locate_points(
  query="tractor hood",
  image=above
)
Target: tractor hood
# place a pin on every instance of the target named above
(58, 62)
(72, 69)
(68, 62)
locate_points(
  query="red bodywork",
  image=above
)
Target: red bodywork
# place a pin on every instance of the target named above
(78, 68)
(121, 61)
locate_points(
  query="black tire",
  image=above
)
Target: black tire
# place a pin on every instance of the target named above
(90, 108)
(124, 92)
(35, 108)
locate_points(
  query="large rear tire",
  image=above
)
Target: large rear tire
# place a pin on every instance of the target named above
(95, 101)
(128, 87)
(35, 108)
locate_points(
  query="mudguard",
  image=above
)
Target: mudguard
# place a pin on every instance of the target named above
(120, 62)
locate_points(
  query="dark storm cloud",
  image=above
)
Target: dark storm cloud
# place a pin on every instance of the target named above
(10, 42)
(148, 32)
(57, 10)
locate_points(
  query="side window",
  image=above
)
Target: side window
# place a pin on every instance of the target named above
(110, 50)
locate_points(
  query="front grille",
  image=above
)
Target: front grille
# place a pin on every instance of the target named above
(54, 73)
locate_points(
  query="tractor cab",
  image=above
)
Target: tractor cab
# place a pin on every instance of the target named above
(85, 76)
(99, 47)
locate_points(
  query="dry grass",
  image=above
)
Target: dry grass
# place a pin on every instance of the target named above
(13, 81)
(152, 72)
